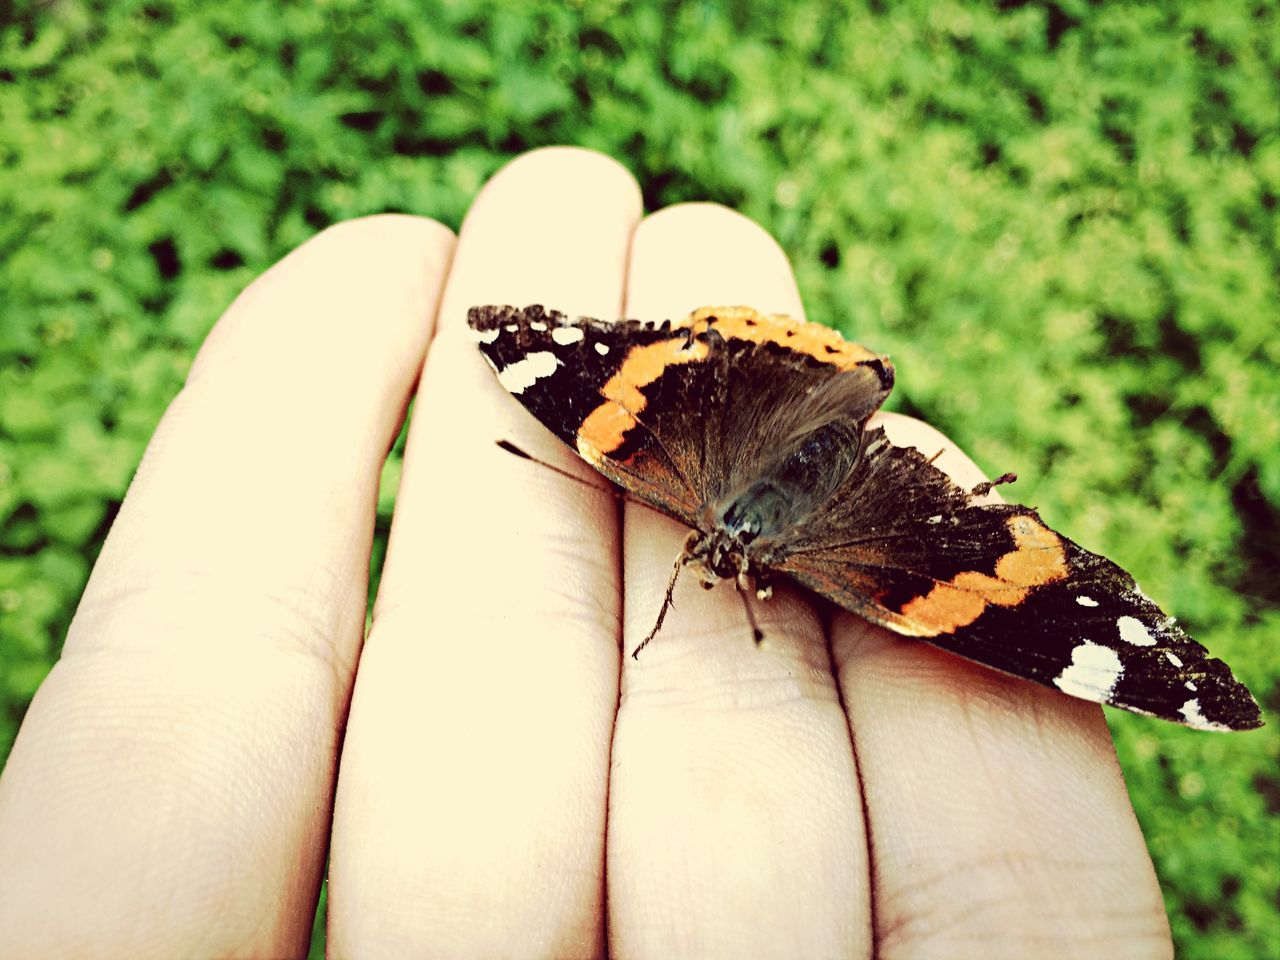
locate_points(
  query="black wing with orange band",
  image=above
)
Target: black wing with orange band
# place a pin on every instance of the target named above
(905, 547)
(678, 412)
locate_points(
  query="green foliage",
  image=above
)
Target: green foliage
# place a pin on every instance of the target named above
(1059, 217)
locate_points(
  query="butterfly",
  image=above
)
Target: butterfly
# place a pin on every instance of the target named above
(752, 430)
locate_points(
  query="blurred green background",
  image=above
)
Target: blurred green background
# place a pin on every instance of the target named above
(1059, 218)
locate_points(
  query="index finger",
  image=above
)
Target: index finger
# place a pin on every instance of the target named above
(471, 804)
(182, 752)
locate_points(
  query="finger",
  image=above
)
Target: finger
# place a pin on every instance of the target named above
(470, 816)
(181, 753)
(735, 822)
(998, 814)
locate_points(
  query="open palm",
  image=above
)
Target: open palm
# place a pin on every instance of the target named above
(488, 773)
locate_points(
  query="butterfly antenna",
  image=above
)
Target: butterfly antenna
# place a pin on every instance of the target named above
(667, 603)
(511, 448)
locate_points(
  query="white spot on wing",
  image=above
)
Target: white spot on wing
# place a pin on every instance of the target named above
(511, 327)
(602, 348)
(537, 325)
(1173, 658)
(1086, 601)
(1093, 674)
(567, 335)
(1191, 711)
(1133, 631)
(484, 336)
(1190, 685)
(525, 373)
(936, 518)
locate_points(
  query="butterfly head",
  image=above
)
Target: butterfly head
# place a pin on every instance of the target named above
(736, 540)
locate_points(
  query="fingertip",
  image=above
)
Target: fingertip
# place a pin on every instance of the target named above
(704, 254)
(904, 431)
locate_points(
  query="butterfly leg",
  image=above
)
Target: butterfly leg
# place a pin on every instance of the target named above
(756, 633)
(745, 589)
(982, 489)
(686, 555)
(764, 588)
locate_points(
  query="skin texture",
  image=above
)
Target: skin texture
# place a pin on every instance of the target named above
(215, 725)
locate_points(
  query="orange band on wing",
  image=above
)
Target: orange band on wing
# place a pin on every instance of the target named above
(606, 426)
(813, 339)
(1037, 558)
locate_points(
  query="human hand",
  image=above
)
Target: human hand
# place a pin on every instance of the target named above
(170, 791)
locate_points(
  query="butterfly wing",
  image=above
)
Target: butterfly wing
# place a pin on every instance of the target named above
(558, 368)
(905, 547)
(678, 412)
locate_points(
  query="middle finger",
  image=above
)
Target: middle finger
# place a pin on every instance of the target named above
(735, 822)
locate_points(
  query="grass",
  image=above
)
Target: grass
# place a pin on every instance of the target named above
(1058, 217)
